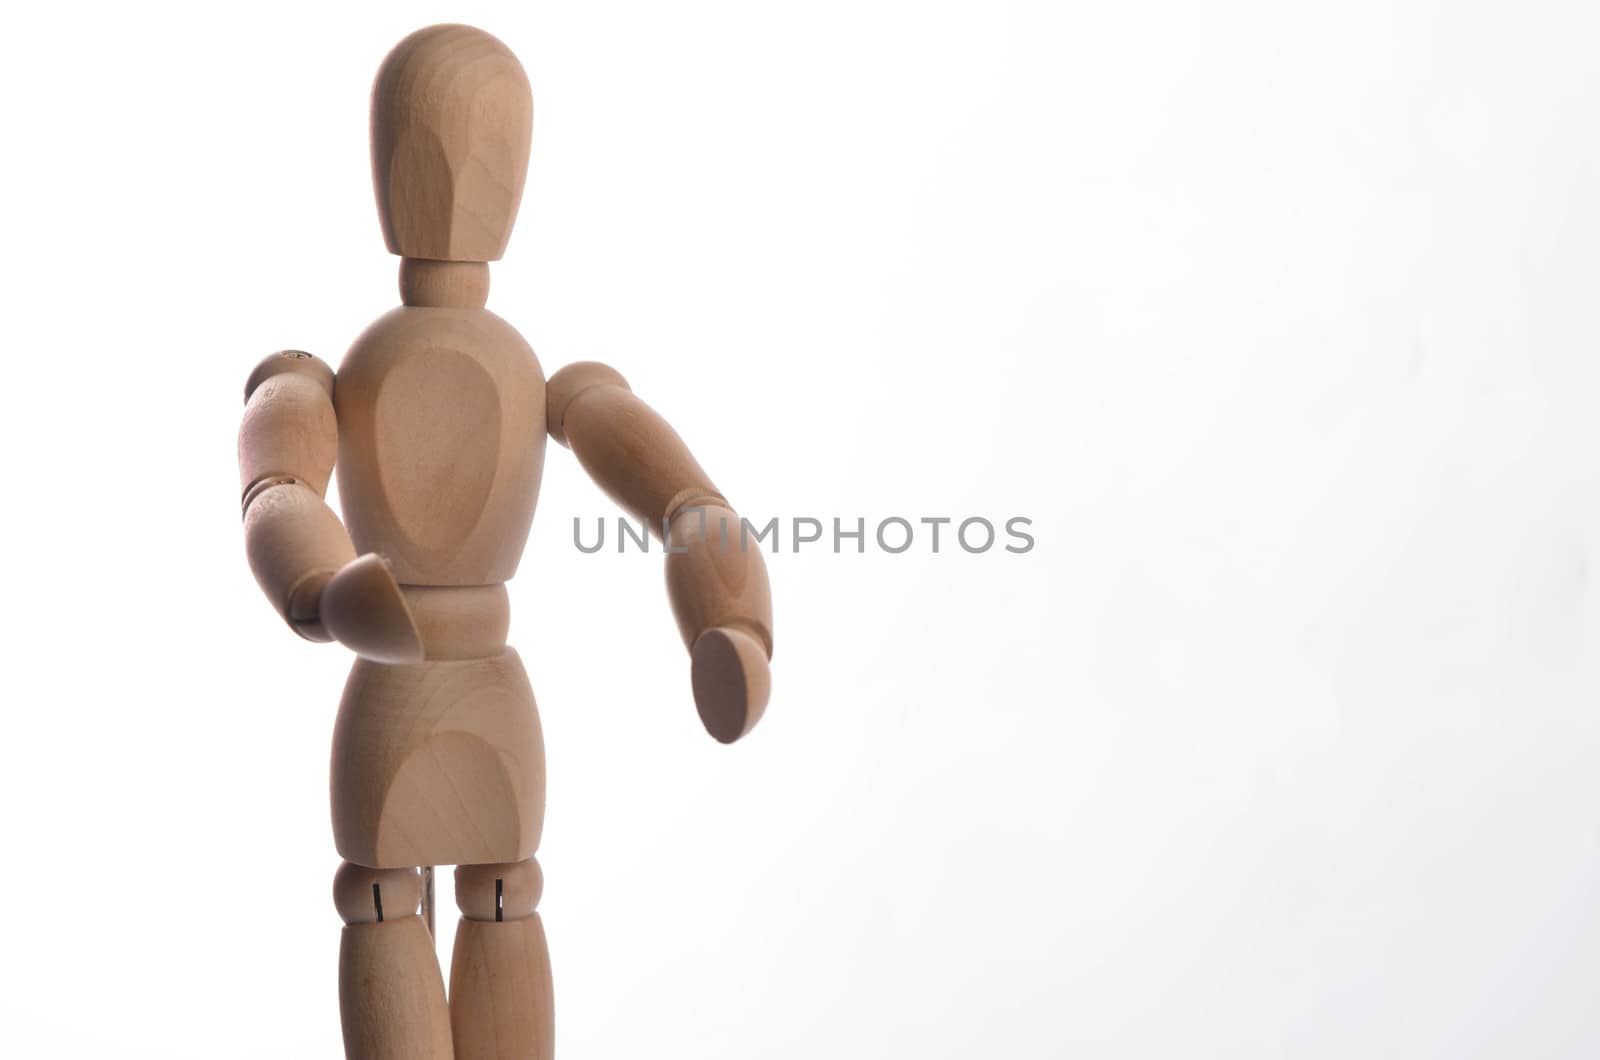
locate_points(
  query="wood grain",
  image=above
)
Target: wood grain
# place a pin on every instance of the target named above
(452, 119)
(391, 993)
(288, 430)
(460, 622)
(295, 545)
(444, 284)
(715, 577)
(626, 447)
(502, 1004)
(438, 763)
(441, 444)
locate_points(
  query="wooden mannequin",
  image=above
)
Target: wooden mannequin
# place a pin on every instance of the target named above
(438, 418)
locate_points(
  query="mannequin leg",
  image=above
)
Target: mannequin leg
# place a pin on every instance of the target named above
(391, 995)
(501, 1001)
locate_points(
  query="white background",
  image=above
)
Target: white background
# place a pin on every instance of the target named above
(1280, 322)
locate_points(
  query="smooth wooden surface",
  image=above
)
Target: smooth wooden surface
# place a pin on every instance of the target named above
(438, 763)
(391, 993)
(732, 681)
(502, 1004)
(295, 545)
(441, 444)
(363, 608)
(716, 576)
(626, 447)
(460, 622)
(452, 118)
(444, 284)
(297, 361)
(370, 896)
(717, 584)
(567, 384)
(287, 442)
(288, 430)
(499, 892)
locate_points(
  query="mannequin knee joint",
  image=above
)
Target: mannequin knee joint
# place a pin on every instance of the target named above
(499, 892)
(368, 896)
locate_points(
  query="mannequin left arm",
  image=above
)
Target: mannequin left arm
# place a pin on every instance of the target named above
(717, 584)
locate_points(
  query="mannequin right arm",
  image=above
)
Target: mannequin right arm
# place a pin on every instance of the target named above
(299, 552)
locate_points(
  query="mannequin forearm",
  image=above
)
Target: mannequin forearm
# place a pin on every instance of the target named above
(295, 545)
(287, 444)
(299, 551)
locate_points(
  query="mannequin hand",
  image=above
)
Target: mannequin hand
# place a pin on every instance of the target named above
(363, 609)
(732, 681)
(720, 598)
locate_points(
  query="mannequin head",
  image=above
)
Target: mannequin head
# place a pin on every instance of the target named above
(452, 116)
